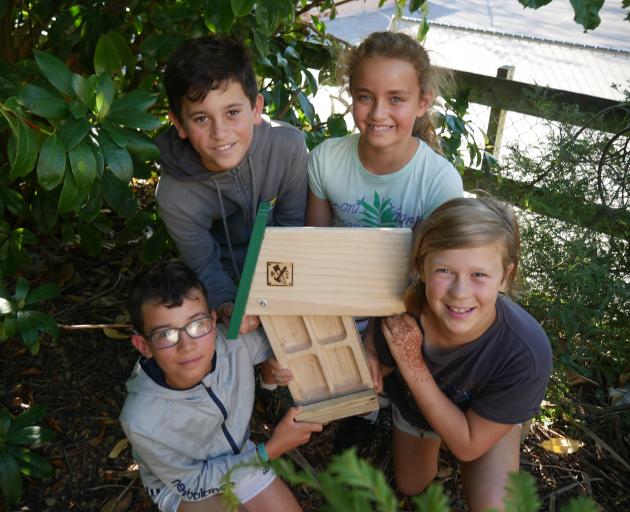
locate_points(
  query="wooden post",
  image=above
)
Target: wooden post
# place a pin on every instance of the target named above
(497, 117)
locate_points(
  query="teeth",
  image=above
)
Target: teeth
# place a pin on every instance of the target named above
(379, 128)
(460, 310)
(224, 148)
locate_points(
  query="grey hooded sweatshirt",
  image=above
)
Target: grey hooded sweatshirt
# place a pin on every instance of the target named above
(186, 441)
(210, 214)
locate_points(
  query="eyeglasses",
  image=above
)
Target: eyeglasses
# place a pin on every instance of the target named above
(167, 338)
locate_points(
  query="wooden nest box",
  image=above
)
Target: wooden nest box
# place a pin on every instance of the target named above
(306, 285)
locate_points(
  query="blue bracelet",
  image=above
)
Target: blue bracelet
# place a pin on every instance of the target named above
(262, 453)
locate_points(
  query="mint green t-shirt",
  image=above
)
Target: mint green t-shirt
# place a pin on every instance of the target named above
(362, 199)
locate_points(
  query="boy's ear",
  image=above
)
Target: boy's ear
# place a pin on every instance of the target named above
(177, 124)
(258, 109)
(142, 345)
(426, 100)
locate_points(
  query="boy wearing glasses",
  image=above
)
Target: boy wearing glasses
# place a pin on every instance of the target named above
(190, 399)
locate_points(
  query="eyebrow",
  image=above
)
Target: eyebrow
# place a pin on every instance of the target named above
(170, 326)
(399, 91)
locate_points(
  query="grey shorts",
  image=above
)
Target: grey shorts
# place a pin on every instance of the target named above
(403, 425)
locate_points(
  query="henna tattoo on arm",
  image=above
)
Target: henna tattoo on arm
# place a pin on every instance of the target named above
(405, 344)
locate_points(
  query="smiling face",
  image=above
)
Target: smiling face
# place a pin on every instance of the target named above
(461, 289)
(386, 100)
(220, 126)
(184, 364)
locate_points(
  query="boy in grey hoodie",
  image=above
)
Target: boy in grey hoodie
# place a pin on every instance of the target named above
(190, 399)
(220, 159)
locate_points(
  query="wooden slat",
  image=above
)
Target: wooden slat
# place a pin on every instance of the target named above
(325, 411)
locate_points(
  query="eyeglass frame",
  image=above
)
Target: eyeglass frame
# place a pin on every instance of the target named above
(180, 330)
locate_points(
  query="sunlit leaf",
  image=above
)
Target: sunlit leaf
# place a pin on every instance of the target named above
(118, 448)
(561, 445)
(115, 334)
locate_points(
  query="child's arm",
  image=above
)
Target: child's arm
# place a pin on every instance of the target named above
(318, 211)
(290, 434)
(467, 435)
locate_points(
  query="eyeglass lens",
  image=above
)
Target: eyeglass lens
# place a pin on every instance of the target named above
(195, 329)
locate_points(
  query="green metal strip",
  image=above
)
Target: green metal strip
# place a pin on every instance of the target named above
(251, 258)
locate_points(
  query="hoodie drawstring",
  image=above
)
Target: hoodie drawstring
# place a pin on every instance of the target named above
(227, 233)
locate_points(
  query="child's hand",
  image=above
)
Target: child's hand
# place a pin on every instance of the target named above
(282, 376)
(248, 324)
(405, 342)
(375, 370)
(289, 434)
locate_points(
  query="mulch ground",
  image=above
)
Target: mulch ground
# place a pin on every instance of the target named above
(81, 381)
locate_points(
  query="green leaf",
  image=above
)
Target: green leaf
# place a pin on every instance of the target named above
(117, 158)
(21, 289)
(78, 110)
(91, 239)
(85, 89)
(27, 327)
(106, 58)
(10, 327)
(140, 146)
(414, 5)
(73, 131)
(534, 4)
(337, 125)
(118, 195)
(71, 196)
(34, 414)
(587, 13)
(23, 151)
(26, 435)
(52, 163)
(55, 71)
(155, 246)
(30, 463)
(137, 101)
(521, 493)
(122, 47)
(10, 479)
(83, 165)
(432, 500)
(306, 107)
(105, 91)
(218, 15)
(261, 41)
(43, 292)
(5, 422)
(43, 103)
(242, 7)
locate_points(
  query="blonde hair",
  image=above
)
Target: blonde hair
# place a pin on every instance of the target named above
(397, 45)
(460, 223)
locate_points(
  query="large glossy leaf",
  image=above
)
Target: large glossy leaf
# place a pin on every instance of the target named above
(25, 435)
(85, 89)
(31, 416)
(55, 71)
(43, 292)
(27, 327)
(139, 120)
(106, 58)
(122, 47)
(52, 162)
(30, 463)
(83, 165)
(21, 289)
(71, 195)
(218, 15)
(586, 13)
(141, 146)
(22, 151)
(43, 103)
(105, 91)
(242, 7)
(73, 131)
(118, 195)
(10, 479)
(135, 101)
(118, 159)
(91, 239)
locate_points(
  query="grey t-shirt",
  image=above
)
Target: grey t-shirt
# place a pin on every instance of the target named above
(502, 375)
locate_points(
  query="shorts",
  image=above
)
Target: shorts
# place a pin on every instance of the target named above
(254, 483)
(404, 426)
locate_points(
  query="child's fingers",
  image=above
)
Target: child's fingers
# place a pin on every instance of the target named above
(249, 323)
